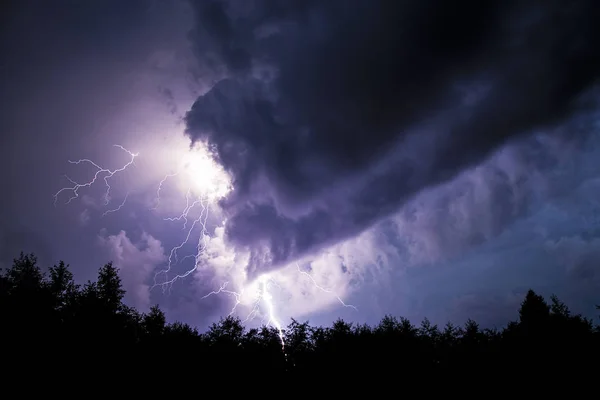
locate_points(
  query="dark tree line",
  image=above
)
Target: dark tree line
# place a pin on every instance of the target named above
(51, 324)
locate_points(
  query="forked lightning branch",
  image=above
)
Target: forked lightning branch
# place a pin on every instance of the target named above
(206, 182)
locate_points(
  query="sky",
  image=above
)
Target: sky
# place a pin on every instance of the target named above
(303, 159)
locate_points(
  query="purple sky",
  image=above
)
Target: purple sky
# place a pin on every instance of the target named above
(414, 158)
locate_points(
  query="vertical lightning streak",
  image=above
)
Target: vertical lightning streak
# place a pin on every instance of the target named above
(268, 299)
(204, 200)
(263, 295)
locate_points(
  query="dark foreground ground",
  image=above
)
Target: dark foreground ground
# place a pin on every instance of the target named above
(58, 336)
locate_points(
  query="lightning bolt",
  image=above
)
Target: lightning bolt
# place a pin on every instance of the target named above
(118, 207)
(188, 207)
(266, 296)
(105, 173)
(160, 185)
(309, 276)
(262, 295)
(201, 203)
(198, 223)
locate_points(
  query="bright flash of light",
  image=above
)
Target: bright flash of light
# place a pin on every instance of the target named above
(206, 177)
(204, 182)
(105, 173)
(255, 294)
(268, 299)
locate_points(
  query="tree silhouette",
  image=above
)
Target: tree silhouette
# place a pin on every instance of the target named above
(109, 287)
(60, 327)
(534, 311)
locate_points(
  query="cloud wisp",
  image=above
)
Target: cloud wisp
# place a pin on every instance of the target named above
(136, 263)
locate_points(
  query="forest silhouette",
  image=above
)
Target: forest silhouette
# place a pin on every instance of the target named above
(51, 324)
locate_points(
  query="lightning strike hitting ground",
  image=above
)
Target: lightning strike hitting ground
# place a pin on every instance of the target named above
(261, 294)
(206, 183)
(268, 299)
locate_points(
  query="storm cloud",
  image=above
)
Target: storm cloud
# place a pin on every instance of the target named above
(331, 115)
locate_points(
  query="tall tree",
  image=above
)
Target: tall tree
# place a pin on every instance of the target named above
(109, 287)
(61, 285)
(534, 311)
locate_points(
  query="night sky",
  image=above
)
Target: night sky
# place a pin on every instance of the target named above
(333, 159)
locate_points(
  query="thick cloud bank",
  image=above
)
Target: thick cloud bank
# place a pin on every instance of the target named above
(331, 115)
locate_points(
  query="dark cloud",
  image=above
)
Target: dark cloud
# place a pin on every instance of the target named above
(45, 37)
(331, 114)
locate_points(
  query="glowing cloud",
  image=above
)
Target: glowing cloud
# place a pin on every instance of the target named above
(202, 182)
(206, 178)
